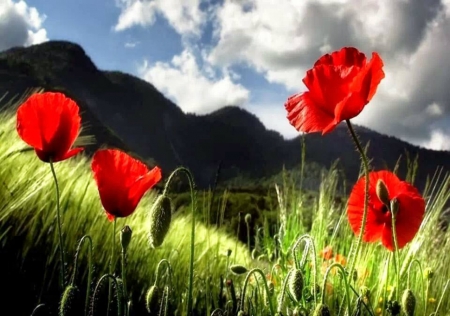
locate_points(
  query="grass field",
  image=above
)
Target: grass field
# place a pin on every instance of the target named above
(311, 234)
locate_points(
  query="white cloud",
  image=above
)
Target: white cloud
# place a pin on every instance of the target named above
(281, 39)
(194, 89)
(20, 25)
(184, 16)
(439, 141)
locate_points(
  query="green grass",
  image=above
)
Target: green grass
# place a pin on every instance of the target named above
(28, 240)
(28, 211)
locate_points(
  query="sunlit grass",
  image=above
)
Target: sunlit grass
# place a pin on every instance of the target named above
(28, 214)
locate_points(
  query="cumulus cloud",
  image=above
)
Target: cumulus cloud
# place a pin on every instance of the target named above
(184, 16)
(194, 89)
(281, 39)
(20, 25)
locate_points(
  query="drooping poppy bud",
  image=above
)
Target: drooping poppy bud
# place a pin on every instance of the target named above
(296, 284)
(160, 219)
(408, 302)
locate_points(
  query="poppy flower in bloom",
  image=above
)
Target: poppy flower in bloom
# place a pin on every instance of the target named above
(339, 86)
(49, 122)
(384, 187)
(122, 181)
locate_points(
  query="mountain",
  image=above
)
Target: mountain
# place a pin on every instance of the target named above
(126, 112)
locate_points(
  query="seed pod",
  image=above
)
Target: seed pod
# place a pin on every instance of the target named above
(68, 300)
(152, 299)
(322, 310)
(238, 269)
(295, 284)
(408, 302)
(160, 218)
(382, 192)
(125, 237)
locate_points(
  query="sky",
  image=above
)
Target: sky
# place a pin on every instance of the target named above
(206, 54)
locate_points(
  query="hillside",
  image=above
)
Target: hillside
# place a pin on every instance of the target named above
(123, 111)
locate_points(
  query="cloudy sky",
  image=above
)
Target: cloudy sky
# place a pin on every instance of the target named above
(204, 54)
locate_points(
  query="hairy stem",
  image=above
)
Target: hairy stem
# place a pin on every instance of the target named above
(58, 218)
(366, 192)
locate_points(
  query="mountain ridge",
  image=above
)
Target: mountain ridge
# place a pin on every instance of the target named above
(129, 113)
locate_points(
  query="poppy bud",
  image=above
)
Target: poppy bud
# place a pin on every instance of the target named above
(428, 273)
(296, 284)
(395, 206)
(248, 218)
(322, 310)
(408, 302)
(229, 251)
(152, 299)
(382, 192)
(238, 269)
(67, 300)
(125, 237)
(160, 219)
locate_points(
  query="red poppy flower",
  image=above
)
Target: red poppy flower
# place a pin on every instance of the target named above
(121, 181)
(411, 209)
(339, 85)
(50, 123)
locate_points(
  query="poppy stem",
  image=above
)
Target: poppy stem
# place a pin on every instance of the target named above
(366, 192)
(111, 268)
(347, 286)
(266, 287)
(395, 254)
(89, 280)
(58, 218)
(193, 208)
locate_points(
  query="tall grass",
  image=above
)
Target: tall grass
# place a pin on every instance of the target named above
(297, 239)
(28, 223)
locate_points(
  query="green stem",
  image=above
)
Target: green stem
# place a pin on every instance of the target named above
(366, 192)
(283, 290)
(125, 295)
(111, 263)
(89, 281)
(194, 204)
(347, 287)
(37, 308)
(97, 291)
(395, 254)
(169, 268)
(259, 271)
(442, 297)
(421, 273)
(58, 217)
(313, 247)
(248, 236)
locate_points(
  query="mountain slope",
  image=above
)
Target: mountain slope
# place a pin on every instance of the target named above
(126, 112)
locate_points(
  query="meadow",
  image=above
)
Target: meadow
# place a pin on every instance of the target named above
(381, 249)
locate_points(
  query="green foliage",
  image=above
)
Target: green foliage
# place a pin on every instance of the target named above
(28, 239)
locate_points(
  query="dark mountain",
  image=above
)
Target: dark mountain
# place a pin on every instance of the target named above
(126, 112)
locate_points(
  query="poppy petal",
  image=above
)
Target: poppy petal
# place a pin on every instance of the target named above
(50, 123)
(121, 180)
(144, 183)
(367, 81)
(347, 56)
(305, 115)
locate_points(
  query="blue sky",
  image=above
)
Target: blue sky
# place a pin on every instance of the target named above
(205, 54)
